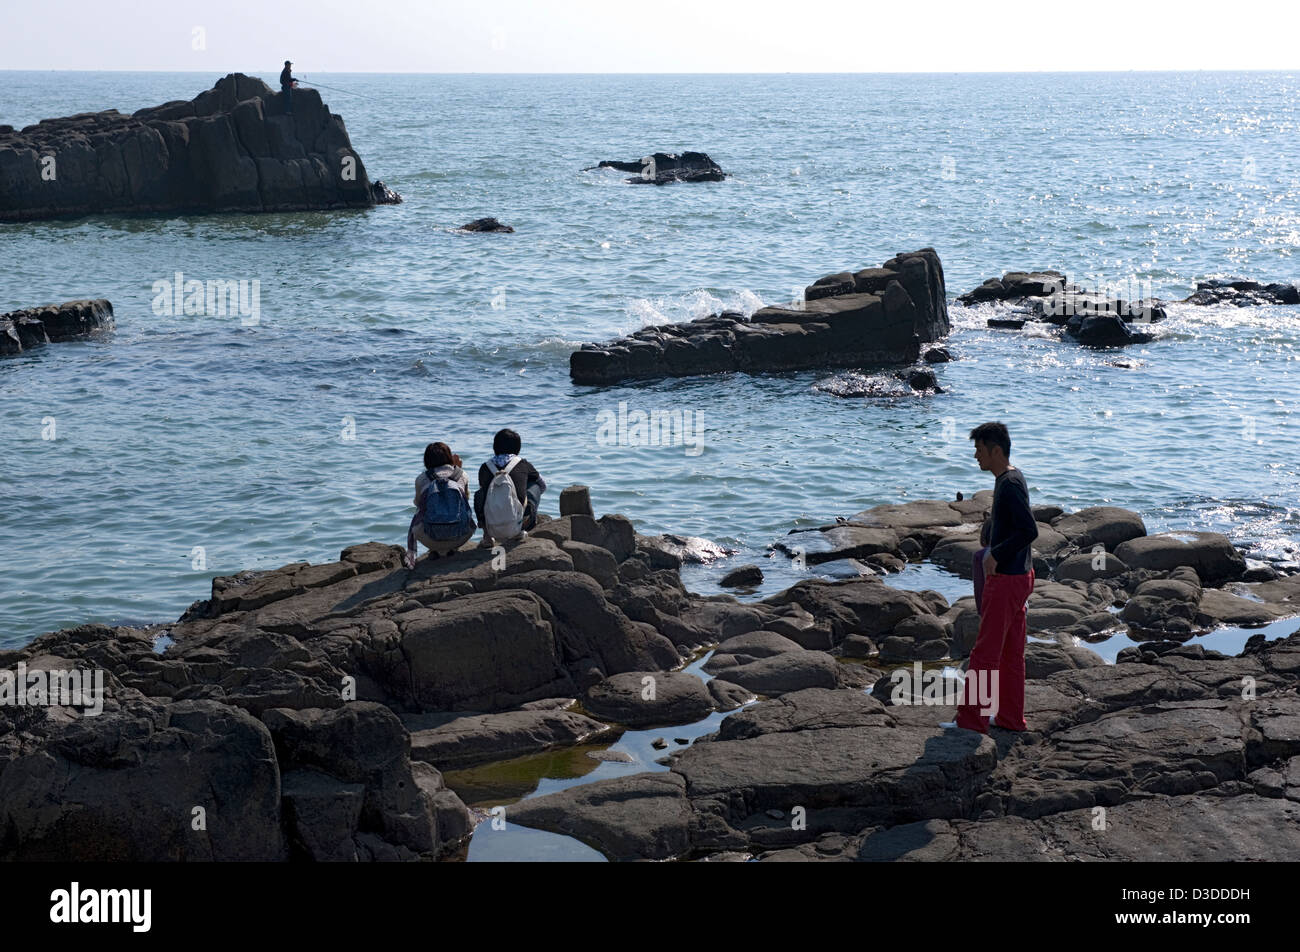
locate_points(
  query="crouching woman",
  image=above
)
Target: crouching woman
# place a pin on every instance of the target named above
(444, 519)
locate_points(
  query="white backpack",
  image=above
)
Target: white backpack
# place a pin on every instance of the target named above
(503, 513)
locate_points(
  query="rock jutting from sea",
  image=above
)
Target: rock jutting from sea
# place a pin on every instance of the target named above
(876, 316)
(1092, 318)
(310, 711)
(661, 168)
(1243, 293)
(30, 327)
(231, 148)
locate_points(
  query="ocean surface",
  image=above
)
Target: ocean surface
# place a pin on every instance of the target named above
(186, 447)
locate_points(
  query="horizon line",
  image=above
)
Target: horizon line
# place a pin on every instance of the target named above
(909, 72)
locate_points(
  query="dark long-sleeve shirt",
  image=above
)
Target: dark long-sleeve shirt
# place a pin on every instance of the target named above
(286, 77)
(1013, 526)
(523, 475)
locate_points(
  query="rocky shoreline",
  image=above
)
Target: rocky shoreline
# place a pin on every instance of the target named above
(231, 148)
(309, 712)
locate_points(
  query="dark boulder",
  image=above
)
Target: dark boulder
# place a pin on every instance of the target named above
(383, 195)
(1104, 331)
(746, 576)
(487, 224)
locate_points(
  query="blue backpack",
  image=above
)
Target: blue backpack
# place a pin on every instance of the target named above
(446, 511)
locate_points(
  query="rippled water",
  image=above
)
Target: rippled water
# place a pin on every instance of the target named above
(178, 433)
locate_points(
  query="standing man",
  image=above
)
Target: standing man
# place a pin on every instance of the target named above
(997, 663)
(287, 82)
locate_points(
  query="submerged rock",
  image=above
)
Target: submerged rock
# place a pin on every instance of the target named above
(877, 316)
(231, 148)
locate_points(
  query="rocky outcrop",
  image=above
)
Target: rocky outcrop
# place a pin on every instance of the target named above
(1243, 293)
(1088, 317)
(33, 326)
(664, 167)
(487, 224)
(876, 316)
(231, 148)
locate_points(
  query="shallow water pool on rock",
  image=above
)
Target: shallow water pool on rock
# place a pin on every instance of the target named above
(504, 782)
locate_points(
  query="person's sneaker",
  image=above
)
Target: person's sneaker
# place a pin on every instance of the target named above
(485, 543)
(953, 725)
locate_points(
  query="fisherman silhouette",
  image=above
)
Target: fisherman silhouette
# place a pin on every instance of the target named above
(287, 82)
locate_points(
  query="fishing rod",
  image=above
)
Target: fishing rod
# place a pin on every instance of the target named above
(336, 89)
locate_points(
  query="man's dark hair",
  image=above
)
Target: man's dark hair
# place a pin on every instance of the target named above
(993, 434)
(437, 454)
(506, 441)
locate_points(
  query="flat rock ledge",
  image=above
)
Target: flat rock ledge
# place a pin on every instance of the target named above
(231, 148)
(872, 317)
(34, 326)
(308, 713)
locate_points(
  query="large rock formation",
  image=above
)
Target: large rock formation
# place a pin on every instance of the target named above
(30, 327)
(231, 148)
(664, 167)
(876, 316)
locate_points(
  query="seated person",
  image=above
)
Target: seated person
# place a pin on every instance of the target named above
(442, 520)
(510, 491)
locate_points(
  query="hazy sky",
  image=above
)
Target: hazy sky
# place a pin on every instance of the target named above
(497, 36)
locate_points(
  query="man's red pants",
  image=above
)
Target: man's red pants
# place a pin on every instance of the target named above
(1000, 647)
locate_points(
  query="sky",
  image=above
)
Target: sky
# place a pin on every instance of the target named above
(636, 36)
